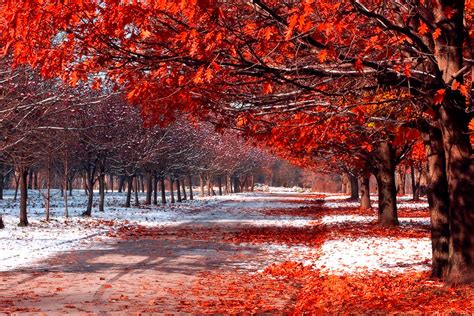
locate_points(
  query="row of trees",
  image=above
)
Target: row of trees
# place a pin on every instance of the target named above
(65, 134)
(356, 81)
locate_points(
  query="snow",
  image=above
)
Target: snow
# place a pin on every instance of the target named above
(369, 254)
(22, 247)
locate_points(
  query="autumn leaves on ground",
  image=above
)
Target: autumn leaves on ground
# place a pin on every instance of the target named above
(255, 252)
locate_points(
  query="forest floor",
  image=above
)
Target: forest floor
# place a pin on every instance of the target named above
(256, 252)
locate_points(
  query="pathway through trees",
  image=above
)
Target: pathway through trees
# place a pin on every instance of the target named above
(258, 255)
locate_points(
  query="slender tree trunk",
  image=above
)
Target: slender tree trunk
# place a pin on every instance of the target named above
(172, 189)
(17, 184)
(365, 192)
(183, 187)
(137, 188)
(201, 184)
(65, 180)
(111, 180)
(128, 201)
(149, 188)
(209, 185)
(163, 190)
(385, 175)
(219, 180)
(48, 189)
(2, 183)
(414, 186)
(354, 186)
(121, 183)
(178, 190)
(252, 183)
(2, 226)
(402, 181)
(101, 191)
(190, 180)
(30, 179)
(236, 184)
(155, 189)
(23, 172)
(90, 193)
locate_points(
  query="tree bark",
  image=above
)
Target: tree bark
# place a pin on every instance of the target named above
(201, 184)
(163, 190)
(460, 176)
(90, 193)
(137, 188)
(365, 193)
(129, 191)
(385, 175)
(172, 189)
(454, 121)
(178, 190)
(402, 181)
(23, 172)
(2, 226)
(354, 184)
(101, 191)
(149, 188)
(438, 200)
(183, 187)
(155, 189)
(2, 183)
(219, 181)
(190, 179)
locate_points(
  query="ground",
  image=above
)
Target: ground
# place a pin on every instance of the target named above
(255, 252)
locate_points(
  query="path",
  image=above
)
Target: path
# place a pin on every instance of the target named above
(152, 268)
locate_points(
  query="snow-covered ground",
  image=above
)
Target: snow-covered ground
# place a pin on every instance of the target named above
(23, 246)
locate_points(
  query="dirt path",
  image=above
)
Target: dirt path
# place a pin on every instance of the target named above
(152, 269)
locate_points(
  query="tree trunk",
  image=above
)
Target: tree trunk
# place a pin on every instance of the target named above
(209, 185)
(354, 183)
(178, 190)
(236, 184)
(48, 189)
(414, 183)
(460, 176)
(129, 191)
(385, 175)
(2, 183)
(23, 172)
(149, 188)
(219, 180)
(155, 189)
(454, 120)
(402, 181)
(438, 200)
(30, 179)
(121, 183)
(183, 187)
(90, 193)
(201, 184)
(190, 179)
(172, 189)
(66, 180)
(17, 184)
(163, 190)
(252, 183)
(365, 192)
(101, 191)
(137, 188)
(2, 226)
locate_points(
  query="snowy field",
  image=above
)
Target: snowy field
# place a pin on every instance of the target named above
(22, 247)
